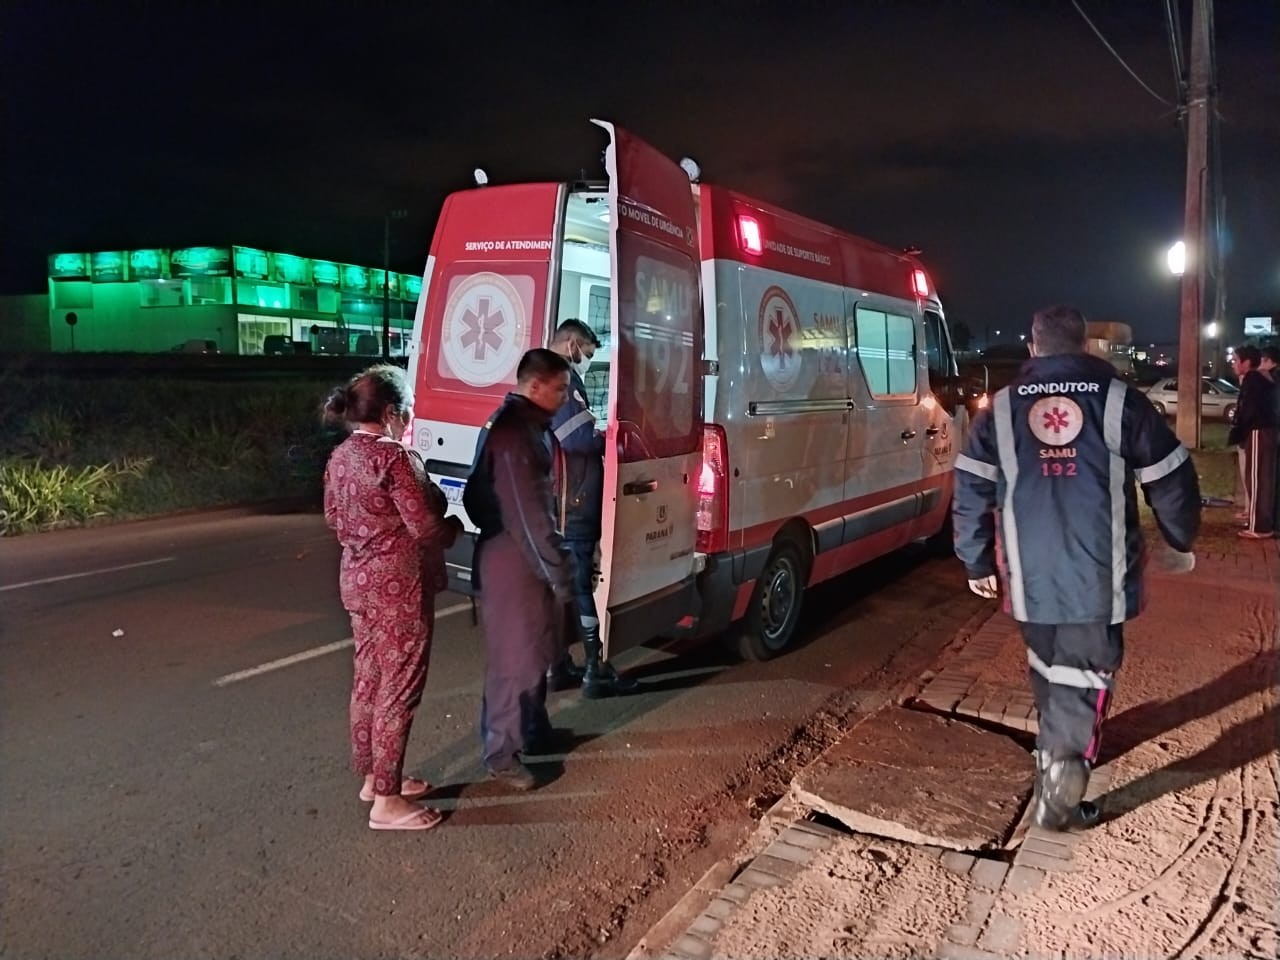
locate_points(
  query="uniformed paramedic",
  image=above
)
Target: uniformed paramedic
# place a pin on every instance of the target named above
(579, 502)
(524, 574)
(1045, 498)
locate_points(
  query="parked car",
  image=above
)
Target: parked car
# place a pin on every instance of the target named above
(278, 345)
(1218, 398)
(197, 346)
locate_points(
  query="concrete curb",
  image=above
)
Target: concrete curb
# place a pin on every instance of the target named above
(686, 931)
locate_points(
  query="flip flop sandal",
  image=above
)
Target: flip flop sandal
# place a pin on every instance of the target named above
(424, 818)
(410, 788)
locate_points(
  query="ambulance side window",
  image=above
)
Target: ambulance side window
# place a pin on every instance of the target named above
(887, 352)
(941, 361)
(597, 384)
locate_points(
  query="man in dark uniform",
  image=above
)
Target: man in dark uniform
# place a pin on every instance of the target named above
(580, 500)
(1045, 497)
(524, 574)
(1254, 433)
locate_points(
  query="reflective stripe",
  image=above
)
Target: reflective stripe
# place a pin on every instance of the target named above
(1071, 676)
(1165, 467)
(988, 471)
(1112, 423)
(573, 423)
(1003, 412)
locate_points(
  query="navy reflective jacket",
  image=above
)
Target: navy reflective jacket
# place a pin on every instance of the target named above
(580, 483)
(1045, 492)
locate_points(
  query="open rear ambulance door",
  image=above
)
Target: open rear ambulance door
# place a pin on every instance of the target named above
(653, 449)
(488, 295)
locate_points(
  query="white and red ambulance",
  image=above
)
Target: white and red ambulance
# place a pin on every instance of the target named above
(775, 393)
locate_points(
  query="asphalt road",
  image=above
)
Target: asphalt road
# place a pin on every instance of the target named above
(174, 765)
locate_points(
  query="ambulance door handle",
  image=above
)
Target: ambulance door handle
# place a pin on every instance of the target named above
(908, 434)
(639, 487)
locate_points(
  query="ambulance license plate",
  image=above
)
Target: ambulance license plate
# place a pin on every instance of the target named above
(452, 489)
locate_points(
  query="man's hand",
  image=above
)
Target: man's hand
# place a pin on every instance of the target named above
(986, 587)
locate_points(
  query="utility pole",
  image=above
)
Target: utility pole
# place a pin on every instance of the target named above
(1192, 313)
(386, 279)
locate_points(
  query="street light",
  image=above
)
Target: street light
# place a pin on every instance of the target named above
(1211, 331)
(1177, 257)
(386, 279)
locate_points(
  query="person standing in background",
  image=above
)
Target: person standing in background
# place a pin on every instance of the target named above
(1270, 367)
(1254, 432)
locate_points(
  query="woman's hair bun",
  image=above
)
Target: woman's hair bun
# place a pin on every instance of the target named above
(335, 408)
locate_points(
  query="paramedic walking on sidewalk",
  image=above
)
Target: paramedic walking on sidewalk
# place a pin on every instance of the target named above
(524, 574)
(579, 502)
(1045, 498)
(1254, 432)
(390, 521)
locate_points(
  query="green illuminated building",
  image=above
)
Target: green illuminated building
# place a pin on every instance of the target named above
(150, 301)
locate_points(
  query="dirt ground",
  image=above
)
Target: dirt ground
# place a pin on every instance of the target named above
(1186, 861)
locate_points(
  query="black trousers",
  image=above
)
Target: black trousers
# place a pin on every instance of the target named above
(1259, 448)
(1072, 670)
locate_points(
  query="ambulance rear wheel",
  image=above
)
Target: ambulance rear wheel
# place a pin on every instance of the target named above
(774, 611)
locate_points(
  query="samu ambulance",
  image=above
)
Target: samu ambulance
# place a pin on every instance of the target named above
(764, 384)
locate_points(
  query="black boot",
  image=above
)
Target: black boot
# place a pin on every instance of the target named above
(599, 680)
(1057, 802)
(564, 674)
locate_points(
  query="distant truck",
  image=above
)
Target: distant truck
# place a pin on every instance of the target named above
(1112, 342)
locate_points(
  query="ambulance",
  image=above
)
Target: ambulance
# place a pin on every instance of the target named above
(777, 397)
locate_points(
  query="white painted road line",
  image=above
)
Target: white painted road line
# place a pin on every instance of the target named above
(314, 652)
(87, 573)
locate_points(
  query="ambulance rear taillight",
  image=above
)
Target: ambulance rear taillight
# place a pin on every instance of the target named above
(713, 492)
(920, 283)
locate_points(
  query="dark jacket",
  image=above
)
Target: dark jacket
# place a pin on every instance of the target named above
(1255, 410)
(509, 492)
(1045, 492)
(580, 486)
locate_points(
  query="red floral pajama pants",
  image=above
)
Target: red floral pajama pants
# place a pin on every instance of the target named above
(390, 672)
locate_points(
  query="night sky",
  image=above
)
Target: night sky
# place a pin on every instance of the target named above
(1001, 138)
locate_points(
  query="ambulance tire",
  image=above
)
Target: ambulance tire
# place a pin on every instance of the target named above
(774, 611)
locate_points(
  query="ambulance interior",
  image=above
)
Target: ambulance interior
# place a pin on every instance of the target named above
(584, 284)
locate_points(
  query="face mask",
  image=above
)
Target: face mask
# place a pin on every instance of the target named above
(581, 365)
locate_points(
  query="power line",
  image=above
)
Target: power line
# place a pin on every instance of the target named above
(1174, 24)
(1119, 58)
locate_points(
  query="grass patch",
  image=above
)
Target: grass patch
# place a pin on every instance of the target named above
(92, 451)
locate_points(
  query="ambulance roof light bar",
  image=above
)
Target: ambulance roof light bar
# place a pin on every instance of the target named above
(749, 234)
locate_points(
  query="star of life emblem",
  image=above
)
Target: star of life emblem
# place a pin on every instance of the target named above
(485, 329)
(1055, 421)
(780, 358)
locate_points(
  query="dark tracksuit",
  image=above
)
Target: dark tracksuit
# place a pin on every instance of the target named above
(580, 497)
(1254, 431)
(1045, 497)
(523, 573)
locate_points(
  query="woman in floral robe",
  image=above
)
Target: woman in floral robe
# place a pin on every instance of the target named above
(390, 520)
